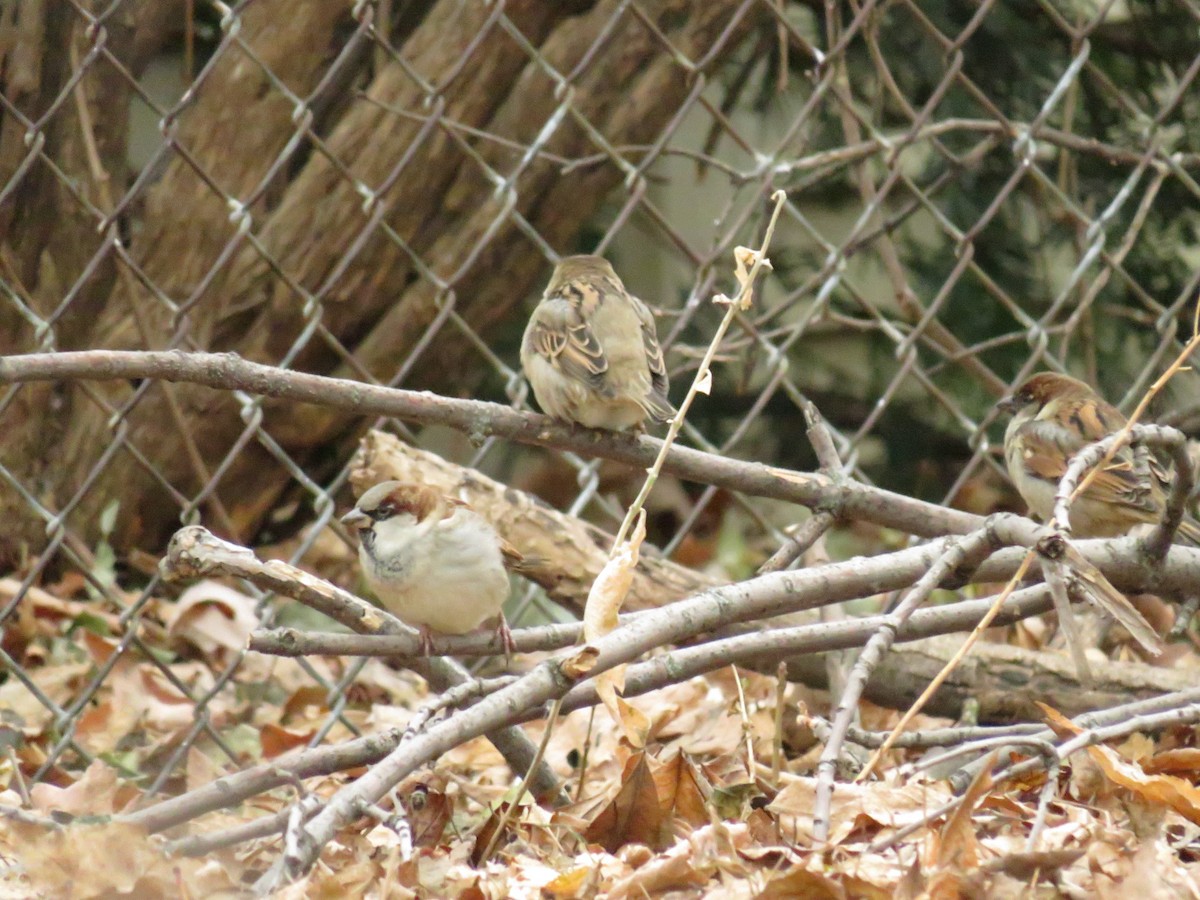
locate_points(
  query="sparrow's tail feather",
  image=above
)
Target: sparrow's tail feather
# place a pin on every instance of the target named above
(1189, 530)
(658, 407)
(518, 562)
(1113, 602)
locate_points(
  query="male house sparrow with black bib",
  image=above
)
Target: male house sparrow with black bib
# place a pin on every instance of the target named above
(1053, 418)
(432, 560)
(591, 351)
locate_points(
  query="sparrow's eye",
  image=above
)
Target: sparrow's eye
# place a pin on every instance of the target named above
(383, 511)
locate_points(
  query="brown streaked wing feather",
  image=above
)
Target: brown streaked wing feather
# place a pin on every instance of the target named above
(1117, 483)
(654, 354)
(1095, 419)
(563, 338)
(516, 561)
(656, 403)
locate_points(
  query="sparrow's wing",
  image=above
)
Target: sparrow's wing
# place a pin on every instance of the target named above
(1049, 448)
(561, 335)
(513, 558)
(657, 404)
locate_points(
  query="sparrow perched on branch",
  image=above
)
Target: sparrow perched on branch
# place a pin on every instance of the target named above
(432, 560)
(591, 352)
(1053, 418)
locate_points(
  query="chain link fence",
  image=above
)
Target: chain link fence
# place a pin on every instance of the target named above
(976, 191)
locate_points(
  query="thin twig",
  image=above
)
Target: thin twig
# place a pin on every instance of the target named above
(703, 372)
(1185, 712)
(808, 533)
(1096, 454)
(953, 664)
(955, 555)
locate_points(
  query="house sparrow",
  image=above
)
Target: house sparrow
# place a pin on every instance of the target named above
(590, 350)
(432, 560)
(1053, 418)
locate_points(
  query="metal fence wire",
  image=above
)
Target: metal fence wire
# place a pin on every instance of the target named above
(377, 190)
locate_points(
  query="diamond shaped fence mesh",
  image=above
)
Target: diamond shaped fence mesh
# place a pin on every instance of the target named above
(377, 191)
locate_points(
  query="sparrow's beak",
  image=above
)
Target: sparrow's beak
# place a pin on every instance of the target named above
(1008, 405)
(356, 518)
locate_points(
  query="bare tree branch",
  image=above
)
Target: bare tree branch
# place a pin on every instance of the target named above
(230, 372)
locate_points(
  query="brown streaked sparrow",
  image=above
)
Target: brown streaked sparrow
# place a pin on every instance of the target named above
(591, 352)
(1053, 418)
(432, 560)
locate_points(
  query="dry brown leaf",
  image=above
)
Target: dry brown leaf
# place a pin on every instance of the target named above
(94, 794)
(600, 614)
(856, 806)
(24, 710)
(801, 882)
(213, 617)
(429, 812)
(1164, 790)
(685, 790)
(580, 662)
(1181, 759)
(100, 649)
(140, 700)
(277, 740)
(572, 884)
(957, 846)
(691, 862)
(636, 815)
(201, 769)
(744, 260)
(87, 860)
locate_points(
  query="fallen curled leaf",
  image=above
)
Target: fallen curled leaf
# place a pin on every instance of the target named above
(657, 797)
(600, 617)
(277, 740)
(212, 617)
(636, 815)
(958, 846)
(105, 861)
(801, 882)
(744, 259)
(1164, 790)
(92, 795)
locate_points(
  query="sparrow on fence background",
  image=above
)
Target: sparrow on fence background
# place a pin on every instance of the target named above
(1053, 418)
(591, 352)
(432, 560)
